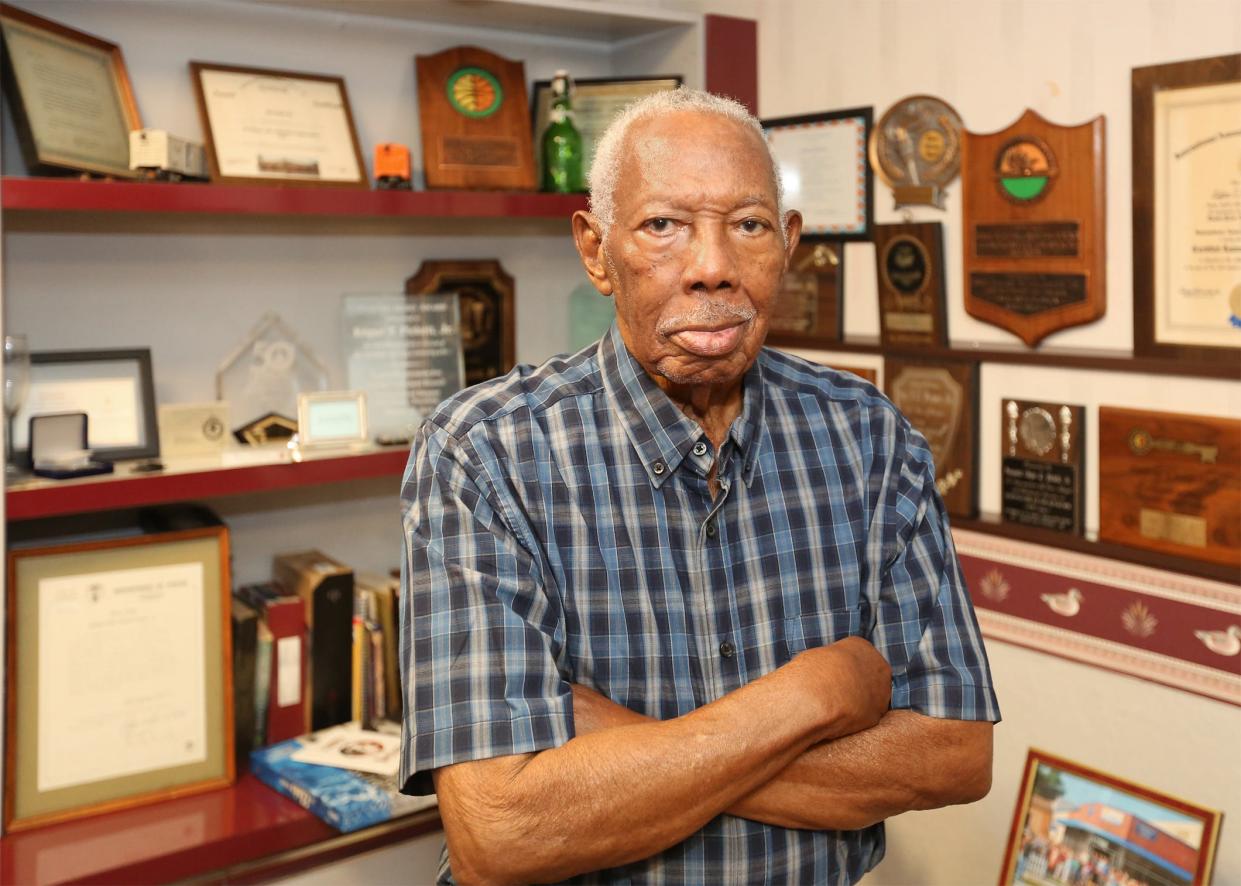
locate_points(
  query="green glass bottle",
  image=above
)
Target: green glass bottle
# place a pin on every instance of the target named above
(562, 143)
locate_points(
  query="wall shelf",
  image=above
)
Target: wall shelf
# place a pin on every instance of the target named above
(243, 833)
(22, 194)
(54, 498)
(1060, 358)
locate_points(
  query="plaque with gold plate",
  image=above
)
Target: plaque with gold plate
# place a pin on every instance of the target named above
(910, 269)
(1171, 482)
(486, 292)
(916, 149)
(1041, 464)
(940, 399)
(475, 122)
(809, 306)
(1034, 219)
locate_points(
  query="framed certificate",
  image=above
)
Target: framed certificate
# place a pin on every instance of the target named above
(826, 176)
(113, 387)
(595, 102)
(73, 107)
(1186, 211)
(277, 127)
(119, 677)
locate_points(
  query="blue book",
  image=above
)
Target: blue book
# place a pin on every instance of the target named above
(344, 798)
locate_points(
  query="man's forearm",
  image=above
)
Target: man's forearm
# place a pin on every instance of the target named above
(609, 797)
(905, 762)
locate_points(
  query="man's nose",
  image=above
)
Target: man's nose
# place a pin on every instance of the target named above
(712, 263)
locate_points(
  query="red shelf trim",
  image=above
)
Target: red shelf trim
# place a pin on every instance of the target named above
(134, 491)
(71, 195)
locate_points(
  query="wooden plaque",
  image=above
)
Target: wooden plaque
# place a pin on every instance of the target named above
(940, 399)
(809, 306)
(1041, 465)
(909, 262)
(1035, 227)
(475, 121)
(488, 341)
(1171, 483)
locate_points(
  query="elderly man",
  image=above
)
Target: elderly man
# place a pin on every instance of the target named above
(679, 609)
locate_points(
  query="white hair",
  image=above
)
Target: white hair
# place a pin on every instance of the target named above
(609, 152)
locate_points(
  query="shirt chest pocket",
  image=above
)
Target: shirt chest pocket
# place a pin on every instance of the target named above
(823, 627)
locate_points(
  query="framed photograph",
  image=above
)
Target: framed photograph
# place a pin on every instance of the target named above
(595, 102)
(270, 127)
(112, 386)
(1078, 825)
(73, 106)
(809, 308)
(1186, 275)
(119, 673)
(332, 418)
(823, 164)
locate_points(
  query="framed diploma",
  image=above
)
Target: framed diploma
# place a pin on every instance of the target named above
(1187, 209)
(595, 102)
(113, 387)
(823, 166)
(73, 107)
(119, 669)
(277, 127)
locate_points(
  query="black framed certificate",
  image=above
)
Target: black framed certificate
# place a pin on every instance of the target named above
(1186, 214)
(824, 169)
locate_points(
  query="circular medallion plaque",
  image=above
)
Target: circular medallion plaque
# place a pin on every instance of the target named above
(1038, 430)
(1025, 169)
(905, 265)
(474, 92)
(916, 148)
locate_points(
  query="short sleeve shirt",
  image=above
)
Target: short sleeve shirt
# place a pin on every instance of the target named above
(559, 528)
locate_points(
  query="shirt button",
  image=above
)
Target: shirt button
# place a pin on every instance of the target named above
(700, 448)
(727, 649)
(710, 529)
(659, 467)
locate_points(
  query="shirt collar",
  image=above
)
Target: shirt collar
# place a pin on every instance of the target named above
(661, 434)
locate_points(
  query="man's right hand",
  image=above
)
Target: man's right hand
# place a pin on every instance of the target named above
(851, 680)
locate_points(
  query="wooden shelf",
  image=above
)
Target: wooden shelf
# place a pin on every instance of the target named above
(244, 833)
(124, 490)
(991, 524)
(68, 195)
(1060, 358)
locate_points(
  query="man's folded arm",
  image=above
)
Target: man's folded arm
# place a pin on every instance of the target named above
(619, 795)
(907, 761)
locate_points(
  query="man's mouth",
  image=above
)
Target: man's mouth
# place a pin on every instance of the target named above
(709, 342)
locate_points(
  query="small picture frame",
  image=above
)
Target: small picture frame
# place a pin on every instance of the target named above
(825, 171)
(332, 419)
(49, 67)
(1074, 824)
(114, 387)
(596, 100)
(119, 675)
(272, 127)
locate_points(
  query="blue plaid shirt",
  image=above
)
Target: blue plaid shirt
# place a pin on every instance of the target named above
(559, 529)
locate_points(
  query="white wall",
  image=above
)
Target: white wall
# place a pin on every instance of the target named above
(1069, 61)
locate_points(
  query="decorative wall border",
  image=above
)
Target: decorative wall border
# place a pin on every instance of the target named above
(1178, 630)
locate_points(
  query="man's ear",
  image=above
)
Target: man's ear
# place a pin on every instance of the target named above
(588, 235)
(792, 226)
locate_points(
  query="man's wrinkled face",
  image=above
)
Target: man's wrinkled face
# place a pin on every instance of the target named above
(695, 254)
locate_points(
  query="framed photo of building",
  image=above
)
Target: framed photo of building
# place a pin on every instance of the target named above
(1073, 824)
(119, 672)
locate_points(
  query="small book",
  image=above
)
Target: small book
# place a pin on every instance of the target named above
(245, 663)
(345, 799)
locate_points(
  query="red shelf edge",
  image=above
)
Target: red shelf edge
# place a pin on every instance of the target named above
(22, 193)
(134, 491)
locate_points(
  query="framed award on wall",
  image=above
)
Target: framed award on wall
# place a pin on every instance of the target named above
(1187, 210)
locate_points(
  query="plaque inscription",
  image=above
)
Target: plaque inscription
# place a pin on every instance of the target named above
(1028, 294)
(1032, 240)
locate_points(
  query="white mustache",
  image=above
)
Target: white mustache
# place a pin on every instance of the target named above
(707, 313)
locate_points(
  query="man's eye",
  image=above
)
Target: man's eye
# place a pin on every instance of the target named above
(659, 225)
(753, 225)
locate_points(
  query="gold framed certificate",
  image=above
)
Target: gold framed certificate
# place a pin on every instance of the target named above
(1187, 209)
(824, 169)
(265, 126)
(73, 106)
(120, 667)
